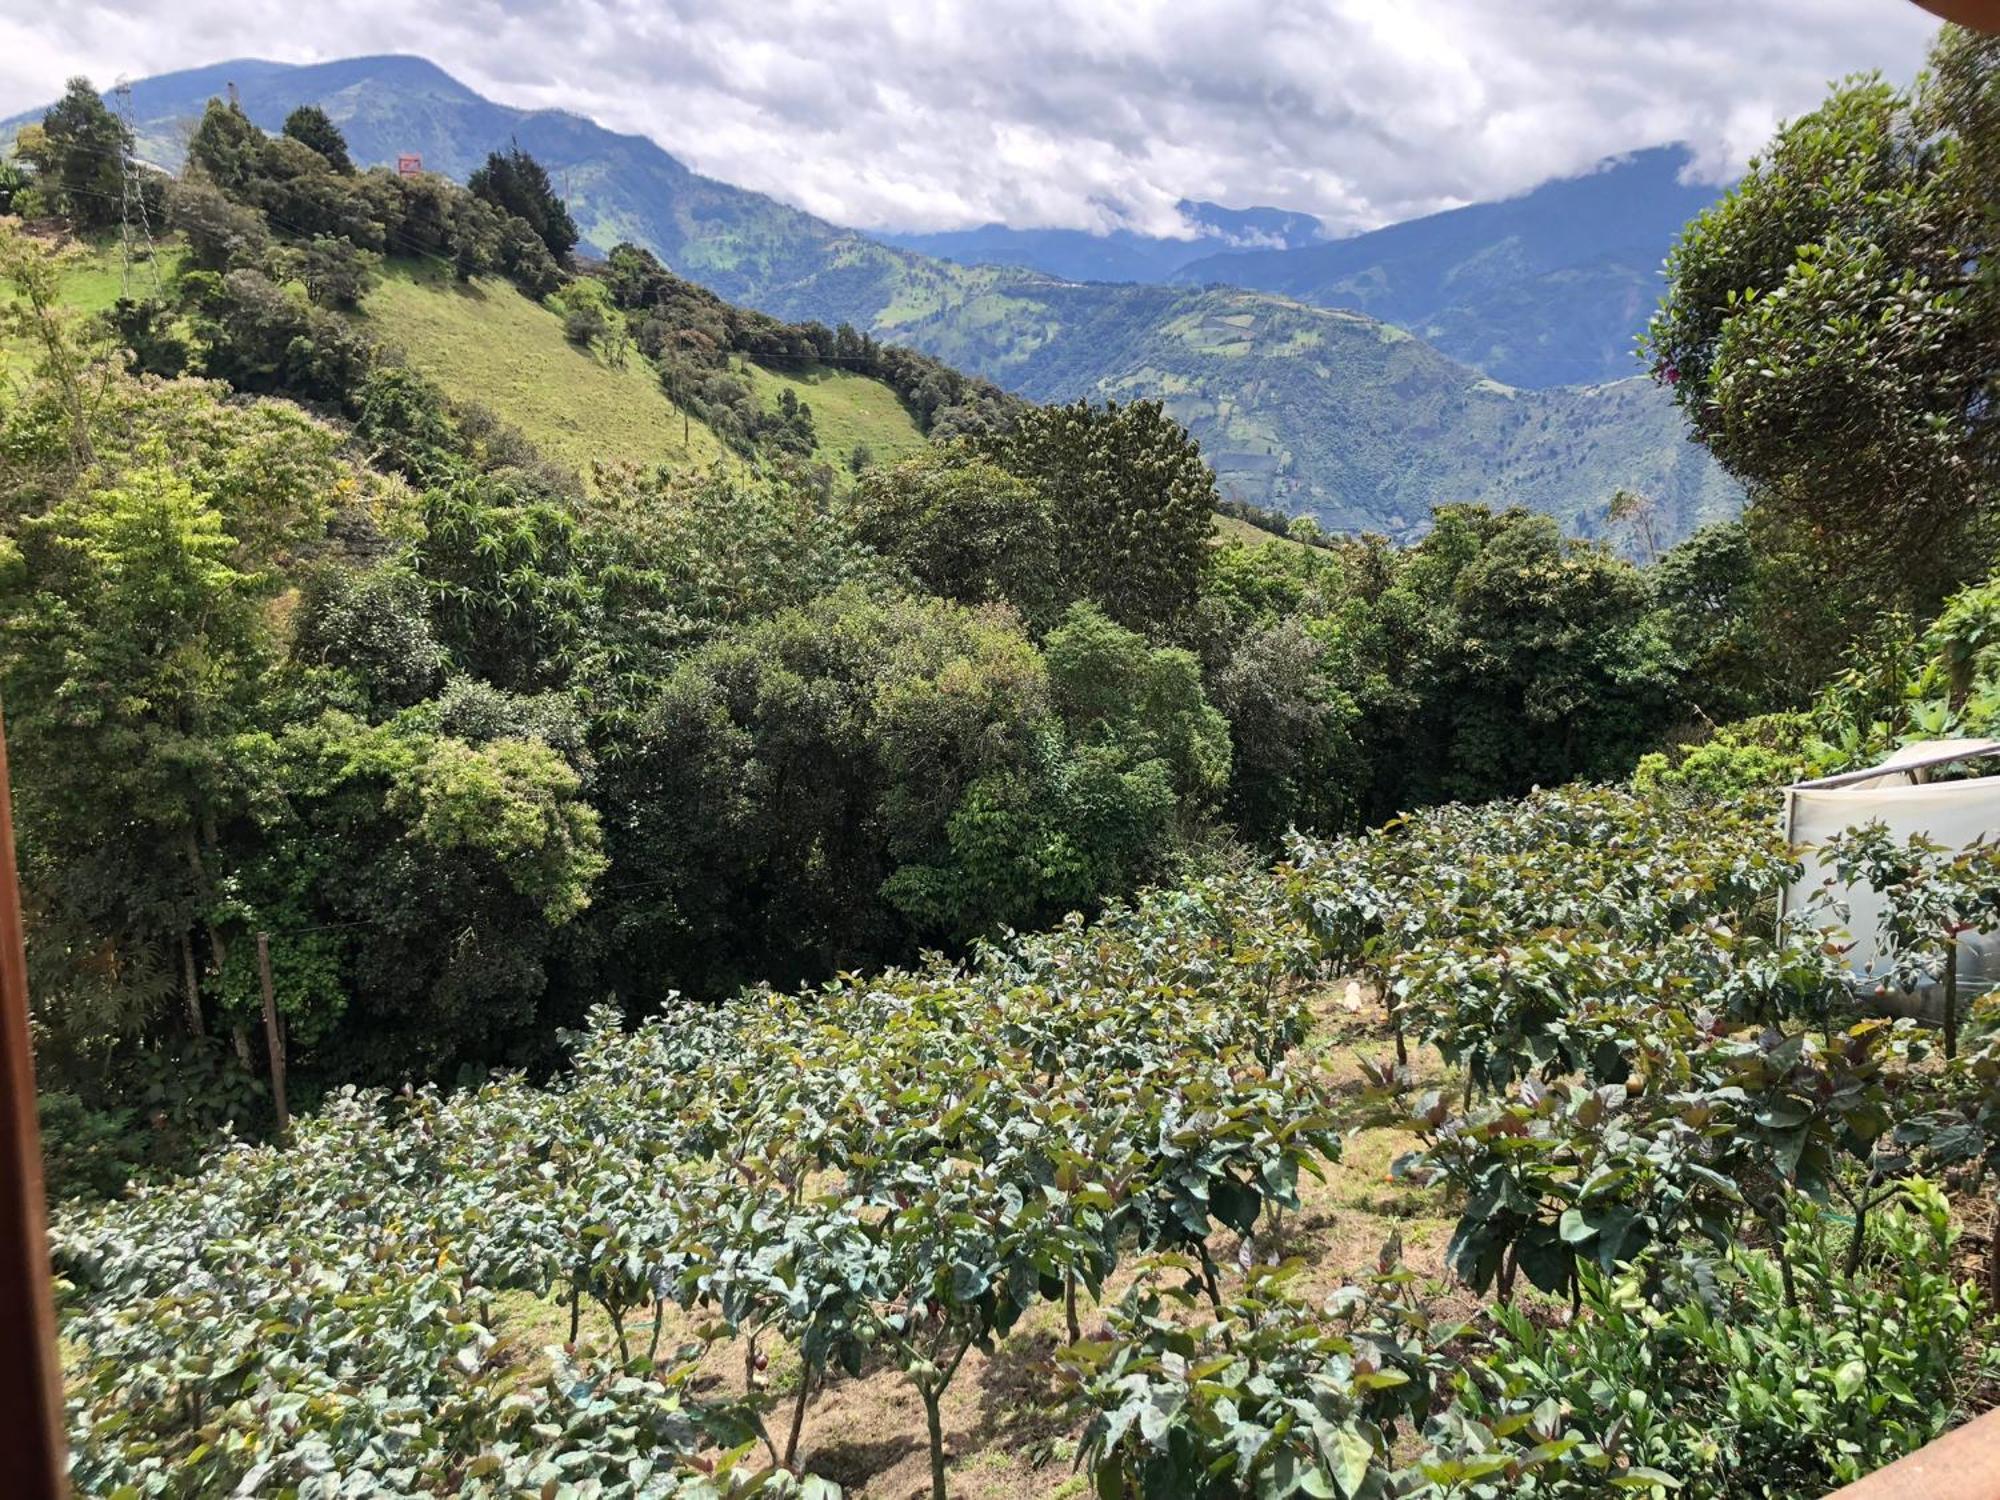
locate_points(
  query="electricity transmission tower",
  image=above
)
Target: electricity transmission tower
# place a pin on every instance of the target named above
(132, 202)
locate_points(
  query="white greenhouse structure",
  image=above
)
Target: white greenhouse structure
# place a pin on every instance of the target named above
(1904, 794)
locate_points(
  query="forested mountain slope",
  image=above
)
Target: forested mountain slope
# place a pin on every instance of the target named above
(1364, 435)
(1548, 288)
(1332, 414)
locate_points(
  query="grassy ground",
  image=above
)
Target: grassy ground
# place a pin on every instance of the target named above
(93, 277)
(1236, 529)
(98, 277)
(485, 342)
(1005, 1429)
(848, 410)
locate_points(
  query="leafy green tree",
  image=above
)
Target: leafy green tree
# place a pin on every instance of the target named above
(228, 150)
(16, 183)
(334, 273)
(780, 770)
(585, 325)
(516, 183)
(1294, 747)
(853, 778)
(304, 196)
(789, 426)
(221, 235)
(78, 155)
(137, 648)
(1131, 499)
(513, 596)
(374, 626)
(1832, 332)
(265, 338)
(682, 558)
(312, 126)
(418, 885)
(1131, 762)
(1557, 670)
(1756, 613)
(965, 530)
(1704, 589)
(406, 424)
(1113, 688)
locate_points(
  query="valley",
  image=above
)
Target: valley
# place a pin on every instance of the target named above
(1366, 434)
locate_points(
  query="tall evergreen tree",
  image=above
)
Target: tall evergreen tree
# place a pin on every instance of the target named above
(78, 156)
(514, 181)
(310, 125)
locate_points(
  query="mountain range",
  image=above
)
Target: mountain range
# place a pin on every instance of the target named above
(1547, 288)
(1291, 364)
(1120, 254)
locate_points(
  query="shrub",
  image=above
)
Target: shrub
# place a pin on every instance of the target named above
(1726, 1384)
(1757, 755)
(86, 1152)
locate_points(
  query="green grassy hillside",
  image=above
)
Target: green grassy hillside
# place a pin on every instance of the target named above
(484, 341)
(487, 342)
(849, 411)
(97, 277)
(93, 278)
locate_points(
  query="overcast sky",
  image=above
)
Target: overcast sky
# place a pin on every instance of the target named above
(939, 114)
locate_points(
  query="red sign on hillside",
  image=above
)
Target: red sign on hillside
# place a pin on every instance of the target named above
(409, 164)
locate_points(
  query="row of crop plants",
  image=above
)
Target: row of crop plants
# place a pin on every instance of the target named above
(1668, 1127)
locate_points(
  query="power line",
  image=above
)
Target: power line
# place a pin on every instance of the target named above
(407, 246)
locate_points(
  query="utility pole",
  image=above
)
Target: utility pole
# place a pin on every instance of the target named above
(132, 201)
(32, 1466)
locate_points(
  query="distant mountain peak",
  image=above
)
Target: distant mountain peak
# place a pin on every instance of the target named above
(1121, 253)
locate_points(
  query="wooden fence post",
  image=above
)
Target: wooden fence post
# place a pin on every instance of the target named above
(272, 1040)
(32, 1463)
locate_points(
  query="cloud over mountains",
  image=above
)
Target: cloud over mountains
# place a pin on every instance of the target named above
(934, 114)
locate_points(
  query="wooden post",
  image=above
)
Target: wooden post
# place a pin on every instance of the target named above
(272, 1040)
(1951, 1000)
(33, 1464)
(1958, 1466)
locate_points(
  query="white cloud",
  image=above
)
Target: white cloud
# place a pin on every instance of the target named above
(1080, 113)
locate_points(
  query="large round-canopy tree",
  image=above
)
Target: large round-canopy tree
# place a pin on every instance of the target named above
(1832, 327)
